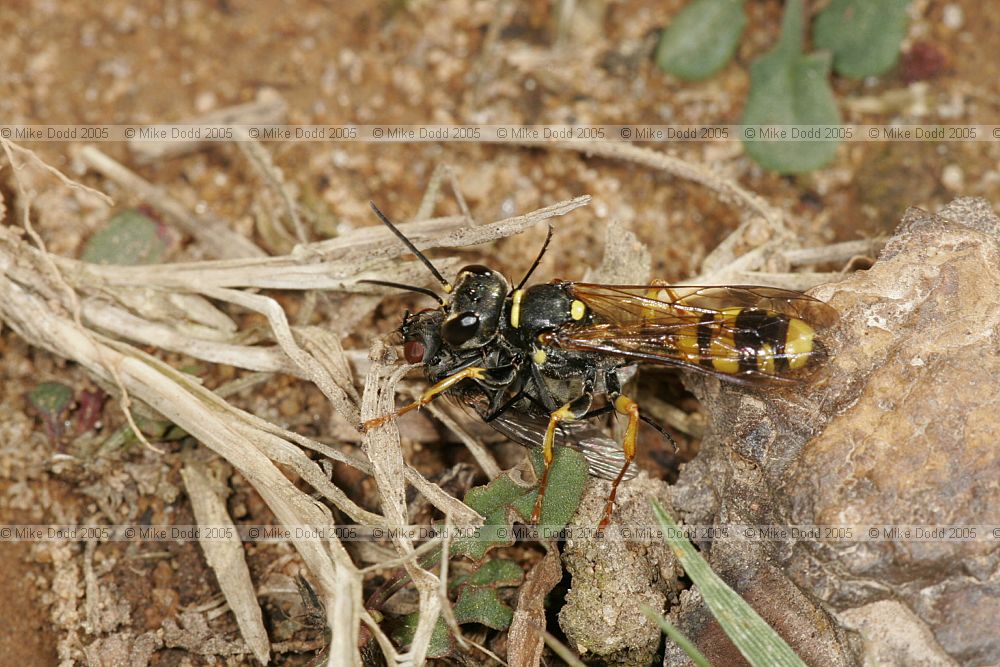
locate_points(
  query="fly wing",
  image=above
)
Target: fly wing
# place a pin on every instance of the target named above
(604, 455)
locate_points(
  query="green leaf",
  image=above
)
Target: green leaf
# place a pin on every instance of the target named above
(677, 636)
(701, 39)
(503, 495)
(567, 481)
(482, 605)
(493, 502)
(751, 634)
(496, 496)
(864, 35)
(441, 645)
(130, 238)
(789, 88)
(51, 399)
(497, 572)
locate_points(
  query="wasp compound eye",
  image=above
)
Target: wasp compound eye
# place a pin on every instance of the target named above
(460, 328)
(413, 351)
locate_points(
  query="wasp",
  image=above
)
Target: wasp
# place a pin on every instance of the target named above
(531, 360)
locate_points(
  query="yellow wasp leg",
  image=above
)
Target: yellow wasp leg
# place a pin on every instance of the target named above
(432, 392)
(565, 413)
(625, 406)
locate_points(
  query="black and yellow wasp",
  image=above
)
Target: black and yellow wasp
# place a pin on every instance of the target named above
(531, 360)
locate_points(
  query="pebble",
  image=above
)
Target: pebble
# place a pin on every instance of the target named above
(290, 407)
(953, 178)
(952, 16)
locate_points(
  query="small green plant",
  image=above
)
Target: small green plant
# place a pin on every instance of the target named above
(478, 602)
(504, 499)
(788, 86)
(53, 402)
(863, 35)
(129, 238)
(501, 502)
(701, 39)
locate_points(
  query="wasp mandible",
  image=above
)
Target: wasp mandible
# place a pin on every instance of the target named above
(532, 360)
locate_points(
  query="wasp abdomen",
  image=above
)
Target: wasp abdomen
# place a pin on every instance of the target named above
(749, 340)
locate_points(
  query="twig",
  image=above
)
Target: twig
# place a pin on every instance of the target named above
(176, 397)
(381, 445)
(690, 171)
(213, 234)
(63, 178)
(446, 610)
(226, 557)
(268, 108)
(261, 160)
(317, 374)
(412, 557)
(834, 252)
(124, 324)
(483, 457)
(488, 62)
(430, 198)
(465, 236)
(726, 254)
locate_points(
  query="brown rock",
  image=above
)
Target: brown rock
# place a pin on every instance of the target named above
(902, 430)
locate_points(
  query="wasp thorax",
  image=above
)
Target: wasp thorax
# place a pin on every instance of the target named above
(477, 303)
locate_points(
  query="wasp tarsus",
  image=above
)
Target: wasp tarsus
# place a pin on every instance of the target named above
(531, 360)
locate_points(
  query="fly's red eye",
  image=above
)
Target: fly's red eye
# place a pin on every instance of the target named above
(413, 351)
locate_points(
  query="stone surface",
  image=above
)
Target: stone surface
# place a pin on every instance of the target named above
(612, 578)
(894, 636)
(901, 428)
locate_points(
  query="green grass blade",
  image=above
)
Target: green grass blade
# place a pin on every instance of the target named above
(562, 650)
(677, 636)
(755, 639)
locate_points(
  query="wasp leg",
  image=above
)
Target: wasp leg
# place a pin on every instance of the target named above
(615, 389)
(575, 409)
(662, 431)
(599, 412)
(504, 407)
(625, 406)
(432, 392)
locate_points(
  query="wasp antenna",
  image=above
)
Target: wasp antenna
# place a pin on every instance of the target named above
(548, 237)
(409, 244)
(409, 288)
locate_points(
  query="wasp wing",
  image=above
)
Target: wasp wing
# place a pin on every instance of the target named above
(680, 304)
(718, 330)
